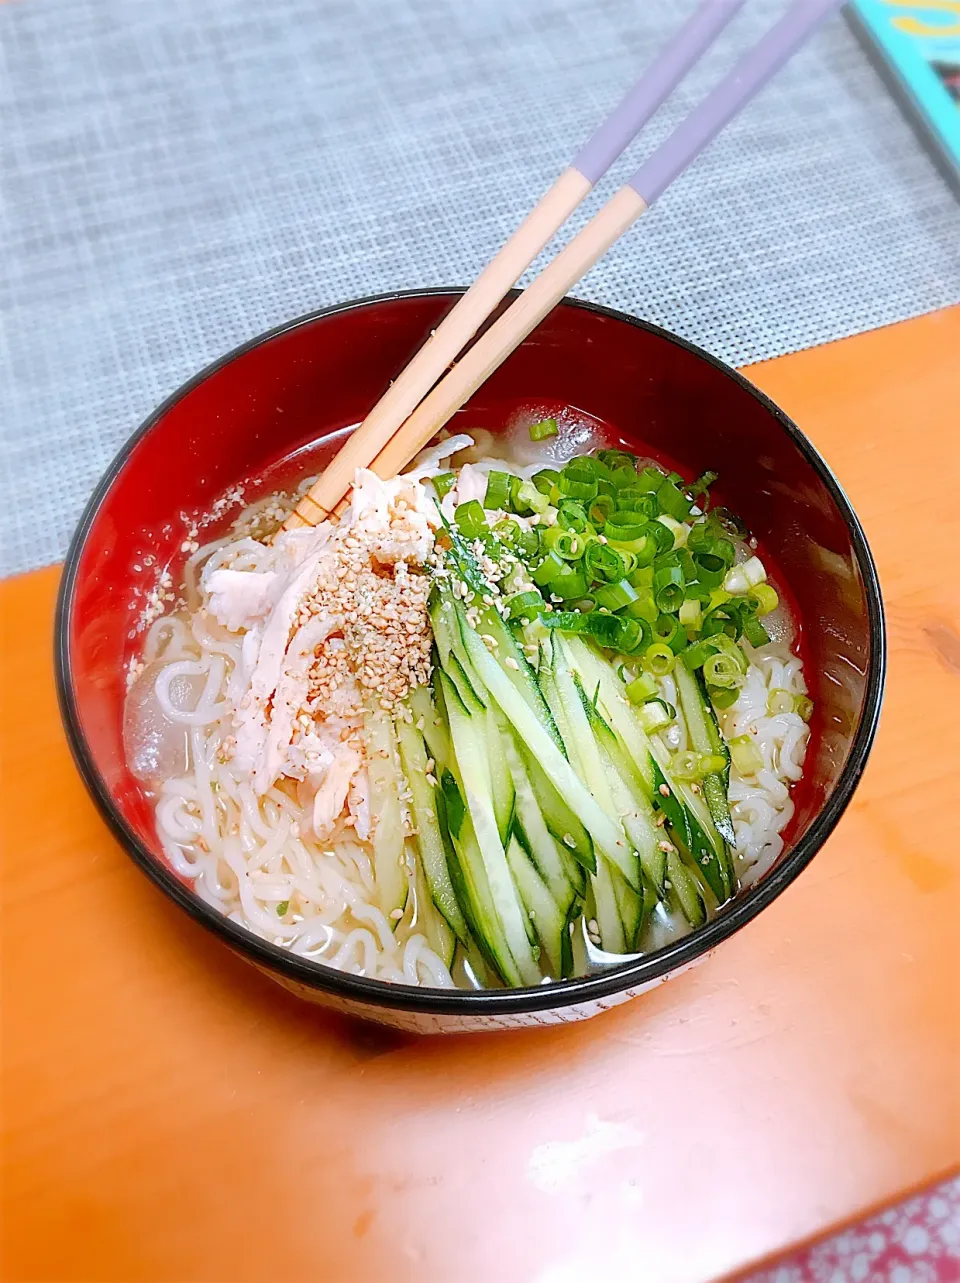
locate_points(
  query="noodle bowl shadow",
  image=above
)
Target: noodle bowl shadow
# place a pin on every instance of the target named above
(280, 405)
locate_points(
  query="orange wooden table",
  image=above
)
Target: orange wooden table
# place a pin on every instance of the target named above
(172, 1116)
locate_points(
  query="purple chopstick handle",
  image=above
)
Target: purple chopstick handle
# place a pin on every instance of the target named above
(658, 82)
(750, 75)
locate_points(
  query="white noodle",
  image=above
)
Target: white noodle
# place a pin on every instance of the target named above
(250, 855)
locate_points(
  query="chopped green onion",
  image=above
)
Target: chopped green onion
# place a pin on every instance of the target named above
(603, 562)
(668, 588)
(498, 490)
(679, 531)
(745, 756)
(673, 501)
(569, 586)
(696, 656)
(658, 659)
(549, 568)
(623, 477)
(565, 543)
(641, 689)
(609, 631)
(614, 597)
(525, 604)
(703, 483)
(721, 669)
(711, 763)
(560, 578)
(702, 539)
(444, 482)
(612, 459)
(507, 531)
(586, 467)
(780, 701)
(691, 767)
(740, 579)
(545, 428)
(765, 597)
(662, 535)
(601, 508)
(709, 572)
(571, 516)
(282, 908)
(566, 621)
(657, 713)
(625, 527)
(651, 479)
(641, 576)
(754, 631)
(644, 608)
(574, 488)
(639, 500)
(722, 698)
(644, 548)
(471, 519)
(527, 543)
(667, 630)
(804, 707)
(629, 635)
(722, 619)
(690, 614)
(526, 498)
(547, 481)
(684, 766)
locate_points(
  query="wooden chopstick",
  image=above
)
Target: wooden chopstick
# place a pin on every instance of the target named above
(650, 181)
(508, 265)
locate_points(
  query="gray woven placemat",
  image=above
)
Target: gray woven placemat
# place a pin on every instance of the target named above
(177, 177)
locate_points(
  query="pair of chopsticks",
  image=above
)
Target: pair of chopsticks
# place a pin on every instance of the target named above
(416, 405)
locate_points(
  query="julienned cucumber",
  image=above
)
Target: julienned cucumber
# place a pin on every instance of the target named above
(629, 802)
(705, 737)
(430, 725)
(543, 772)
(542, 747)
(691, 820)
(453, 658)
(383, 771)
(467, 733)
(560, 820)
(696, 834)
(514, 662)
(597, 676)
(544, 914)
(583, 743)
(428, 919)
(686, 890)
(433, 858)
(554, 864)
(500, 778)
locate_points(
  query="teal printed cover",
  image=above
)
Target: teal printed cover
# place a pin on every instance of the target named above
(917, 47)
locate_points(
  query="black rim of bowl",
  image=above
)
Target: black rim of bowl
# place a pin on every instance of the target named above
(560, 994)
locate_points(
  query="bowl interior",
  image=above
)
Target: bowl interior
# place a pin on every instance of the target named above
(268, 406)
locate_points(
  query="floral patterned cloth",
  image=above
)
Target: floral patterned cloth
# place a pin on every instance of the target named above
(916, 1242)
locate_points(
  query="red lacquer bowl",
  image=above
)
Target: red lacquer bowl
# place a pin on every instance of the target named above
(280, 404)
